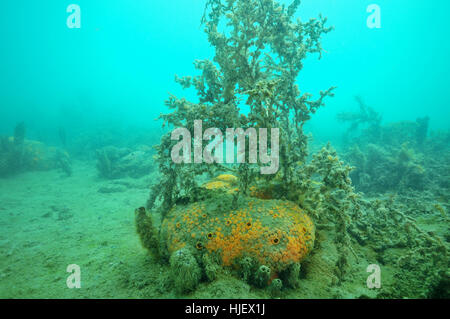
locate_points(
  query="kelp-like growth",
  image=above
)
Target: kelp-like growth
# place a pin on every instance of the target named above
(259, 50)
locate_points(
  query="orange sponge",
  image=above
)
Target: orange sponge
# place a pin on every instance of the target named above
(274, 233)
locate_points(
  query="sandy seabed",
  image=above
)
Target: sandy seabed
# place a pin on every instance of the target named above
(49, 221)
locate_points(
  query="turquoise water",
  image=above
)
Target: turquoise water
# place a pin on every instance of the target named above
(124, 57)
(77, 121)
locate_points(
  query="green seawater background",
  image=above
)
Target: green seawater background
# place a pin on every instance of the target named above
(119, 67)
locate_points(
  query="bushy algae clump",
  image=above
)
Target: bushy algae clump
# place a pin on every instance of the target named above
(406, 168)
(217, 216)
(398, 156)
(18, 154)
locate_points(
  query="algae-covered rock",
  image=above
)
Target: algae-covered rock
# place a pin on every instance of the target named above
(114, 162)
(247, 239)
(18, 155)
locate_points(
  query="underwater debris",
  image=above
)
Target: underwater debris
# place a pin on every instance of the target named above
(380, 169)
(365, 116)
(62, 159)
(422, 265)
(19, 134)
(422, 130)
(18, 154)
(62, 136)
(397, 156)
(114, 162)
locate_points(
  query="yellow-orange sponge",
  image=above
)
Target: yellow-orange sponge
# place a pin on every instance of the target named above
(273, 233)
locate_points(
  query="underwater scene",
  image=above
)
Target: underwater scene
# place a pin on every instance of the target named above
(205, 149)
